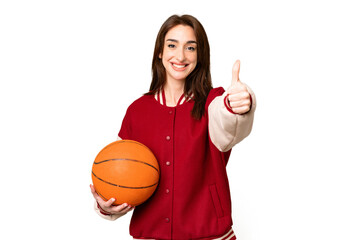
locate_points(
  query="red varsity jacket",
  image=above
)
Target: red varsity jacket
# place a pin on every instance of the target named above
(192, 200)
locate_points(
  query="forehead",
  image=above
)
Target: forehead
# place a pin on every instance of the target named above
(181, 33)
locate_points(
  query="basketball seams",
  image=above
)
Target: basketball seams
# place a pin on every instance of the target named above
(129, 154)
(124, 141)
(116, 185)
(127, 159)
(105, 199)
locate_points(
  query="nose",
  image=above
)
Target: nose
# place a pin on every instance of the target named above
(180, 56)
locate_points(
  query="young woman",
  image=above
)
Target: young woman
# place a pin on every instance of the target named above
(191, 128)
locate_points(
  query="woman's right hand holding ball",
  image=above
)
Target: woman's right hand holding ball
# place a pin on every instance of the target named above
(108, 207)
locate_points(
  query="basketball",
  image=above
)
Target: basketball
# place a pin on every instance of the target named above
(127, 171)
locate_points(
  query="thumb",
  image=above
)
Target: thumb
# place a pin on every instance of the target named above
(235, 72)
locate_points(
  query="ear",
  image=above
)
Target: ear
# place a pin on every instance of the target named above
(159, 55)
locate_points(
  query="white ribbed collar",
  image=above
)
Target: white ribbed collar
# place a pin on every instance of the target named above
(160, 97)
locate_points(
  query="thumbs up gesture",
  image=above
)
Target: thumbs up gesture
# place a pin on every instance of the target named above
(238, 98)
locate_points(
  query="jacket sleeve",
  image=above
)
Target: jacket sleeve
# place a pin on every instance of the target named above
(226, 128)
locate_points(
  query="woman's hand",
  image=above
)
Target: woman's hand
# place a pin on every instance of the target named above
(108, 206)
(239, 98)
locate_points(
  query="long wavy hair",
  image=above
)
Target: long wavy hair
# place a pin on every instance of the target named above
(199, 80)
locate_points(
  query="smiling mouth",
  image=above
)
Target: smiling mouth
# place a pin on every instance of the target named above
(178, 66)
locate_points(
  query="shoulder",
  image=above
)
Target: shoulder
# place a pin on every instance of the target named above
(141, 103)
(215, 92)
(139, 106)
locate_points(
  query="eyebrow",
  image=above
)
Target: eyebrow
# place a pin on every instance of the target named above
(174, 40)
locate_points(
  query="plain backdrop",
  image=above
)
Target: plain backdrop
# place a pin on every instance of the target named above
(69, 70)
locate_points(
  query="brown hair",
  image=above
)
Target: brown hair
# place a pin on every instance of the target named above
(199, 80)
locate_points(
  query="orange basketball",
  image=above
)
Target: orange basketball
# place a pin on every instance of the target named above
(127, 171)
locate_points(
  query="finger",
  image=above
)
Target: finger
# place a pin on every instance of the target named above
(237, 88)
(94, 193)
(241, 110)
(238, 96)
(121, 208)
(92, 188)
(109, 202)
(235, 72)
(130, 209)
(127, 209)
(242, 103)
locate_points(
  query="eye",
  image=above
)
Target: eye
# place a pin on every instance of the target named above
(171, 45)
(191, 48)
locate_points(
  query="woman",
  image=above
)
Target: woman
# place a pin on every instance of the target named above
(191, 128)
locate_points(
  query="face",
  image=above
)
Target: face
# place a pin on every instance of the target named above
(179, 55)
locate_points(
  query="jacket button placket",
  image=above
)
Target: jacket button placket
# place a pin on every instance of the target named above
(169, 166)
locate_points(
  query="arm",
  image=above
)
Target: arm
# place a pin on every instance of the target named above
(227, 128)
(231, 115)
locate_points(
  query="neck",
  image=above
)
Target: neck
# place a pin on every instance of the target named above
(173, 91)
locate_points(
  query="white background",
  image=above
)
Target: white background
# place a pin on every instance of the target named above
(69, 69)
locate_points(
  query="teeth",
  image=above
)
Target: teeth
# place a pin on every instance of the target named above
(178, 66)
